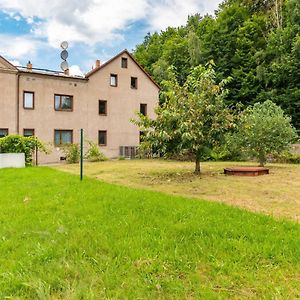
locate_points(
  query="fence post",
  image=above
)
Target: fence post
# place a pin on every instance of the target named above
(81, 154)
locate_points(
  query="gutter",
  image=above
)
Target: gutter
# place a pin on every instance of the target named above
(18, 103)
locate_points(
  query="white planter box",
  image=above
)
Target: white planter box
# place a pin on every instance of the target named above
(12, 160)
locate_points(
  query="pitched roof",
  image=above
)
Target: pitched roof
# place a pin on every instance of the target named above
(7, 63)
(117, 56)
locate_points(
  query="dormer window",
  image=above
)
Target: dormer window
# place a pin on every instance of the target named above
(124, 62)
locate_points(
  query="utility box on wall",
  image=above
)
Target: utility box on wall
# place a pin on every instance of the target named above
(12, 160)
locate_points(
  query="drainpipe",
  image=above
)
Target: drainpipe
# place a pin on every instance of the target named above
(18, 103)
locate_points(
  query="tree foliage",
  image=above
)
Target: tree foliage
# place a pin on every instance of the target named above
(193, 118)
(21, 144)
(263, 129)
(93, 153)
(72, 153)
(256, 42)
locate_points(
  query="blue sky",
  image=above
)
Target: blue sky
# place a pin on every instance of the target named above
(95, 29)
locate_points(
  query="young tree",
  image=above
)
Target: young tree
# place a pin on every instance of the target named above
(192, 118)
(22, 144)
(263, 129)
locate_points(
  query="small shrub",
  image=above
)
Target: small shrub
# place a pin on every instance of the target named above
(21, 144)
(121, 157)
(262, 130)
(287, 157)
(72, 153)
(94, 154)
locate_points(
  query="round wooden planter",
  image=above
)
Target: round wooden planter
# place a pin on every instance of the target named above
(246, 171)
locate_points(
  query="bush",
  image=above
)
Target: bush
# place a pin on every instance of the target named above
(287, 157)
(262, 130)
(94, 154)
(21, 144)
(72, 153)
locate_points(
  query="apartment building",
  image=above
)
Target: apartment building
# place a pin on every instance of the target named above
(54, 106)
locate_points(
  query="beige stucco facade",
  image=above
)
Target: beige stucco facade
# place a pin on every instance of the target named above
(123, 102)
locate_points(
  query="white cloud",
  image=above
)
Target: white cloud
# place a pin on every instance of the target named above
(75, 70)
(172, 13)
(101, 21)
(15, 62)
(17, 47)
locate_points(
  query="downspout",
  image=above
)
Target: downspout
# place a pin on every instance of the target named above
(18, 103)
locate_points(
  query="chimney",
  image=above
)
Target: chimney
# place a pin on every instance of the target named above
(98, 63)
(29, 66)
(66, 72)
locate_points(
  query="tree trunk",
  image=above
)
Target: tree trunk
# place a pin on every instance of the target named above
(197, 166)
(262, 159)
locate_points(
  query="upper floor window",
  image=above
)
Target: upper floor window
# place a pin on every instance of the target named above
(3, 132)
(134, 82)
(28, 100)
(103, 107)
(124, 62)
(143, 109)
(113, 79)
(63, 102)
(63, 137)
(28, 132)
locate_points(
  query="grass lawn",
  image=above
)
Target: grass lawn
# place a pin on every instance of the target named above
(276, 194)
(65, 239)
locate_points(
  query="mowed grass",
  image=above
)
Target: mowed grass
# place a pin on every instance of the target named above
(277, 194)
(65, 239)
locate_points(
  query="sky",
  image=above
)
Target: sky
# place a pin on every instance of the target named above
(32, 30)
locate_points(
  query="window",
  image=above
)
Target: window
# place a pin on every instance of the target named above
(28, 100)
(113, 79)
(124, 62)
(142, 135)
(63, 137)
(133, 82)
(28, 132)
(102, 138)
(3, 132)
(63, 102)
(103, 107)
(143, 109)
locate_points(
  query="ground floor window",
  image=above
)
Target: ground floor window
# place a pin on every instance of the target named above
(28, 132)
(3, 132)
(142, 135)
(63, 137)
(102, 138)
(143, 109)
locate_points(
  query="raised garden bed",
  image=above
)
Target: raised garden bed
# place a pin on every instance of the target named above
(246, 171)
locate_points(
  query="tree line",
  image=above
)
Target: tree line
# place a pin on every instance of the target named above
(256, 43)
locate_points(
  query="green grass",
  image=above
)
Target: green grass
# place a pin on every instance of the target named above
(65, 239)
(277, 194)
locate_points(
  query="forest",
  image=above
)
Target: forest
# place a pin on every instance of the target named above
(254, 43)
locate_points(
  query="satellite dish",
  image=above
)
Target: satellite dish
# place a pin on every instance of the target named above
(64, 66)
(64, 45)
(64, 54)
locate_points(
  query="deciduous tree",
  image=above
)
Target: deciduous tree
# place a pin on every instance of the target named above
(263, 129)
(192, 119)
